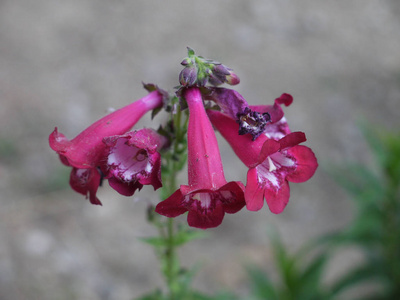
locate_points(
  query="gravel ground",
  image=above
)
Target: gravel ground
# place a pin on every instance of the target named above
(64, 63)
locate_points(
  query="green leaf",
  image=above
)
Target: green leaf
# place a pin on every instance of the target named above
(359, 181)
(310, 279)
(184, 236)
(285, 263)
(261, 285)
(314, 271)
(374, 141)
(155, 111)
(355, 277)
(190, 51)
(156, 241)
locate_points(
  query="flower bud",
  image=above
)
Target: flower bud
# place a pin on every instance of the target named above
(221, 69)
(215, 79)
(232, 79)
(188, 76)
(185, 62)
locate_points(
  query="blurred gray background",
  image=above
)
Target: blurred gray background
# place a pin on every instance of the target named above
(64, 63)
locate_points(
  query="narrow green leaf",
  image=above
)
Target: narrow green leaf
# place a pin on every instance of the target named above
(155, 111)
(312, 274)
(190, 51)
(155, 241)
(184, 236)
(374, 141)
(262, 287)
(285, 263)
(355, 277)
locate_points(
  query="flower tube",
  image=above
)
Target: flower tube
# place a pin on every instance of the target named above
(273, 159)
(208, 196)
(86, 153)
(85, 149)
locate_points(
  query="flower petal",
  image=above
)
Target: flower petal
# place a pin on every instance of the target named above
(275, 111)
(204, 219)
(254, 193)
(306, 164)
(154, 177)
(269, 147)
(233, 196)
(124, 188)
(172, 206)
(86, 181)
(230, 101)
(292, 139)
(58, 142)
(277, 199)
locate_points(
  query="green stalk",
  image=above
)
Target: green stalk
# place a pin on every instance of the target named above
(168, 256)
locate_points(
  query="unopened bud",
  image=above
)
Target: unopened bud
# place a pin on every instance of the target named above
(202, 80)
(216, 80)
(188, 76)
(185, 62)
(232, 79)
(221, 70)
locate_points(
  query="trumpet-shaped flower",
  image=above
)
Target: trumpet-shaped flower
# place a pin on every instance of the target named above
(134, 161)
(273, 159)
(87, 152)
(208, 196)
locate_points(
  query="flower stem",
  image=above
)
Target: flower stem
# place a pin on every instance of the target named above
(171, 260)
(174, 161)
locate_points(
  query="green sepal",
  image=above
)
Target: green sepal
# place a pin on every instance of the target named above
(190, 51)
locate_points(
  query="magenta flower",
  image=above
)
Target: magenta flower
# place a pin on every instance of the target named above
(134, 161)
(86, 153)
(273, 159)
(208, 196)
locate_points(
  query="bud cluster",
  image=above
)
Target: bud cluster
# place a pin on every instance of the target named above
(199, 71)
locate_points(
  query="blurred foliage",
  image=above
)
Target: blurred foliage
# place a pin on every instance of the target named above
(8, 150)
(299, 278)
(376, 227)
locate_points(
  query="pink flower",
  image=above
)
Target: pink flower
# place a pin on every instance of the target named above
(86, 153)
(208, 196)
(134, 161)
(273, 159)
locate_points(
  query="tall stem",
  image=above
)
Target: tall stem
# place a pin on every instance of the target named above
(174, 162)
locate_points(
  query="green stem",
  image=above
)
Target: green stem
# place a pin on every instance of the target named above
(171, 259)
(167, 229)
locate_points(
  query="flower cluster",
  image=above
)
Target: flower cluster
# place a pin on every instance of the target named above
(259, 135)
